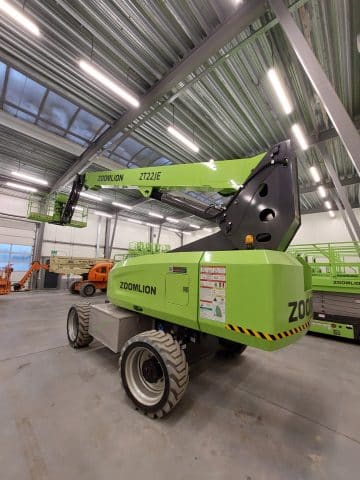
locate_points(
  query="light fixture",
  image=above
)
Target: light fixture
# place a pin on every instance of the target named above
(151, 224)
(207, 229)
(80, 209)
(121, 205)
(107, 82)
(156, 215)
(327, 204)
(30, 178)
(187, 233)
(322, 191)
(183, 139)
(19, 17)
(133, 220)
(172, 220)
(92, 196)
(315, 174)
(103, 214)
(173, 230)
(332, 214)
(280, 91)
(300, 137)
(21, 187)
(193, 225)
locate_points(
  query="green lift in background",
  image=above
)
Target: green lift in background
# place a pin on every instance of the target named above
(335, 269)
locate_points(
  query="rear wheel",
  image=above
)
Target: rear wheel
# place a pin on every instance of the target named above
(87, 290)
(72, 287)
(78, 325)
(232, 347)
(154, 372)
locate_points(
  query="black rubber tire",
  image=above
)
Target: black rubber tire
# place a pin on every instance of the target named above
(104, 290)
(87, 289)
(232, 347)
(16, 287)
(72, 287)
(172, 360)
(77, 326)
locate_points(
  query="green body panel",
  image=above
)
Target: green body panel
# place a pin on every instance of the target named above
(332, 328)
(223, 176)
(255, 289)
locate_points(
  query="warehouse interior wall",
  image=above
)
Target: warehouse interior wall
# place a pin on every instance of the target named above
(320, 228)
(81, 242)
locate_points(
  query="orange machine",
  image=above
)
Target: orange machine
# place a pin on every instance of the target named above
(95, 278)
(34, 267)
(5, 283)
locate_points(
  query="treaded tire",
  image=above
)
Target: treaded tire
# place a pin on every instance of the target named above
(77, 326)
(175, 370)
(87, 289)
(230, 347)
(72, 287)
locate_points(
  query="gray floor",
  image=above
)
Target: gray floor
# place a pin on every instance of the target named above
(293, 414)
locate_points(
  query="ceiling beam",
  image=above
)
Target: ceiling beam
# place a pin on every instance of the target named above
(246, 14)
(345, 183)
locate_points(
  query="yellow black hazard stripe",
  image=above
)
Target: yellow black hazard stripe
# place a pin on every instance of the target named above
(268, 336)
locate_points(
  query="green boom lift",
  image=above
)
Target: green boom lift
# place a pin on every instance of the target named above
(238, 284)
(335, 269)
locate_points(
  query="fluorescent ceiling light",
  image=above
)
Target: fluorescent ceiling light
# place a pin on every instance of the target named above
(322, 191)
(156, 215)
(175, 133)
(91, 196)
(331, 213)
(327, 204)
(122, 205)
(103, 214)
(21, 187)
(81, 209)
(187, 233)
(193, 225)
(30, 178)
(315, 174)
(95, 73)
(173, 230)
(19, 17)
(207, 229)
(172, 220)
(151, 224)
(133, 220)
(300, 137)
(280, 91)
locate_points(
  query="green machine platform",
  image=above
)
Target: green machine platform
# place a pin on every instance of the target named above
(50, 209)
(237, 285)
(335, 269)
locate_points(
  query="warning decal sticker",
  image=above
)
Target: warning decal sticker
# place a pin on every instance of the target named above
(212, 292)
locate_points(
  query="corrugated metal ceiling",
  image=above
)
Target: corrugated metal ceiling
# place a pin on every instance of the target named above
(226, 104)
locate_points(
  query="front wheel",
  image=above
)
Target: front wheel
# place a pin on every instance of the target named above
(154, 372)
(78, 325)
(87, 290)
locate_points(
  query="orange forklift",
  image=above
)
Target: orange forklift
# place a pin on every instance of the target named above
(95, 278)
(5, 282)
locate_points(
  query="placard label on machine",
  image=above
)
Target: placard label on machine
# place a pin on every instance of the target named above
(212, 292)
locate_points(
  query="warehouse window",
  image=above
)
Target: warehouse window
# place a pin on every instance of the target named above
(19, 256)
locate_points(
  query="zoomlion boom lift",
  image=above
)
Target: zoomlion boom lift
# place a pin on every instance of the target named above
(238, 284)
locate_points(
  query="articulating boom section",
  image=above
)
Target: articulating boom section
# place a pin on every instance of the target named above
(264, 198)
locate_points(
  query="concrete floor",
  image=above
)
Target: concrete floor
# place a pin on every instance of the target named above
(292, 414)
